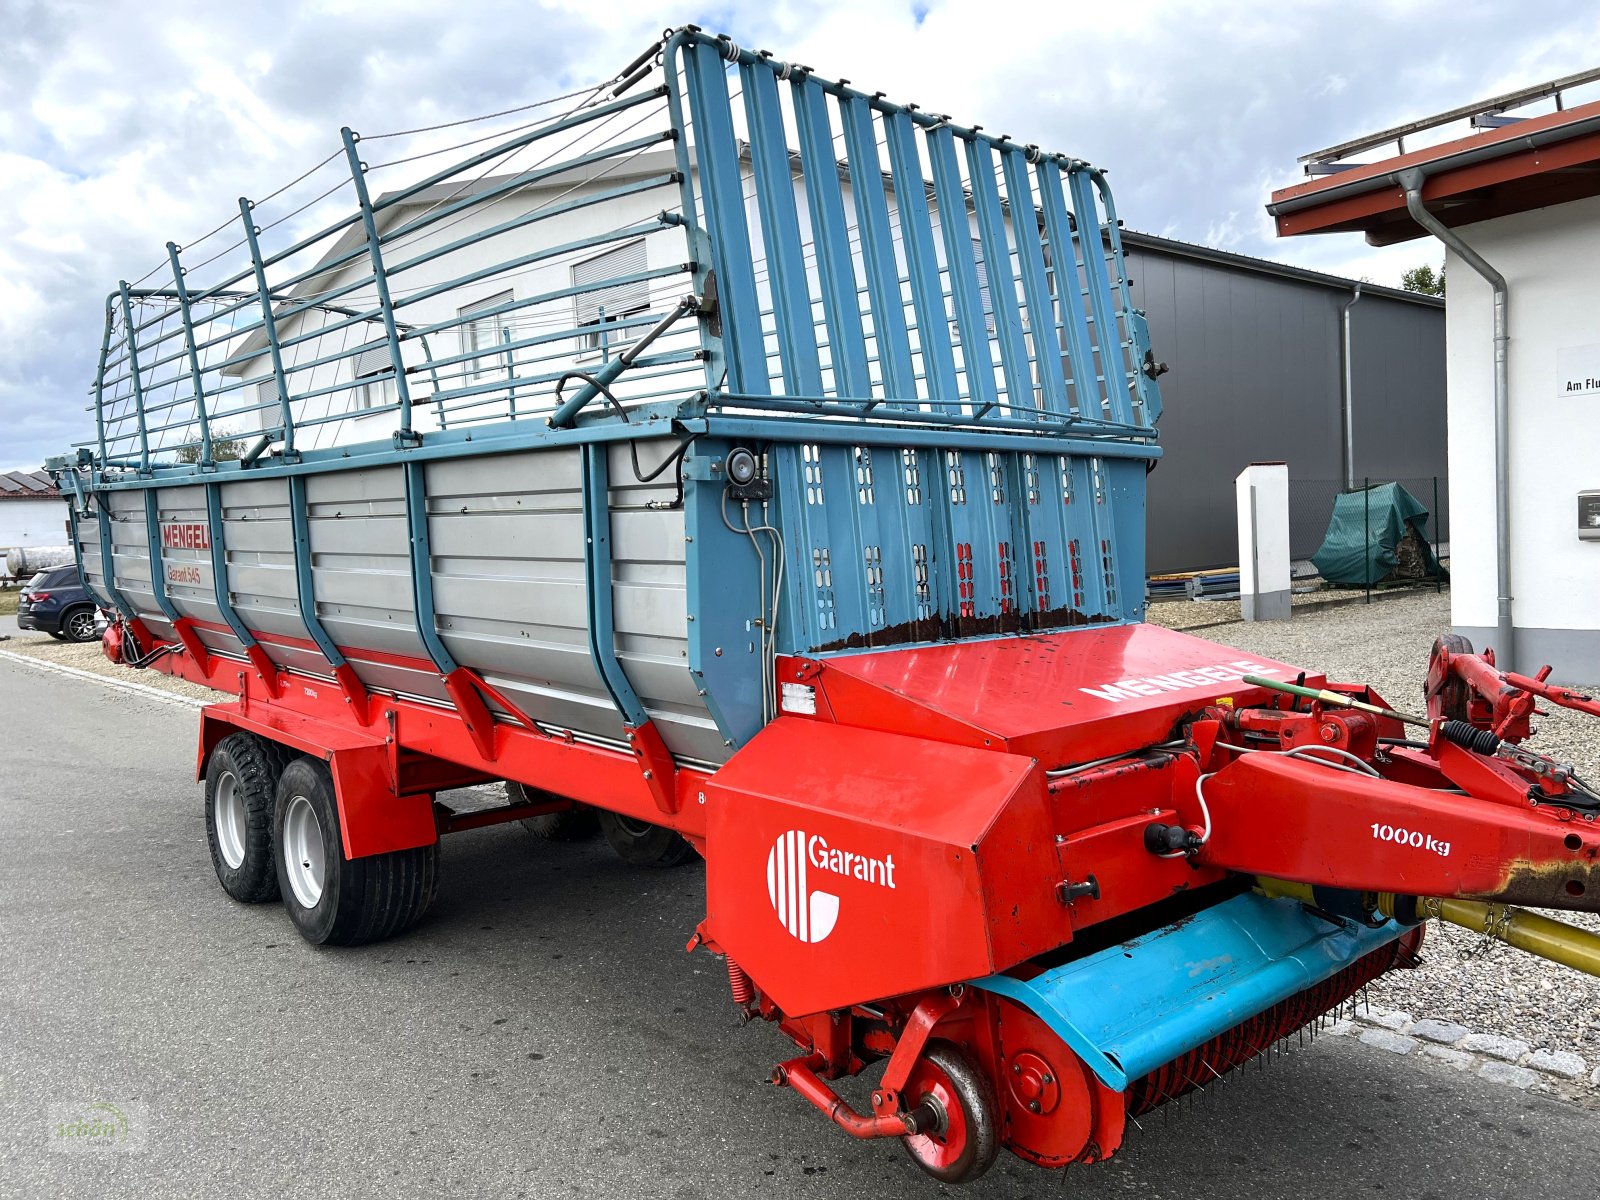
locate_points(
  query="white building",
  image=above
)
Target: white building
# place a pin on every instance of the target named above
(1518, 201)
(31, 513)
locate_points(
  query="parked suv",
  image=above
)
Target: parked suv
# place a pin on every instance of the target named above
(54, 602)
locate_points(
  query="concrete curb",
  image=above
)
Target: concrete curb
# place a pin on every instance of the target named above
(1489, 1056)
(120, 685)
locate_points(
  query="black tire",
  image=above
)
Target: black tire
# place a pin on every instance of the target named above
(77, 624)
(357, 900)
(241, 788)
(966, 1086)
(60, 637)
(644, 845)
(574, 824)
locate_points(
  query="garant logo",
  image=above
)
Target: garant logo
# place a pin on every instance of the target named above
(806, 914)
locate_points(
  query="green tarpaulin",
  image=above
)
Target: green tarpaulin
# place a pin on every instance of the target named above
(1376, 535)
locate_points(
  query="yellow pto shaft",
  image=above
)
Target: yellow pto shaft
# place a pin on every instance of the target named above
(1544, 936)
(1540, 935)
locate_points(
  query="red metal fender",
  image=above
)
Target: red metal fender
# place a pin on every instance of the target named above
(845, 865)
(1278, 816)
(374, 817)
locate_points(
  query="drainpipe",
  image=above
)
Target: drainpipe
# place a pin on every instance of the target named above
(1349, 398)
(1505, 648)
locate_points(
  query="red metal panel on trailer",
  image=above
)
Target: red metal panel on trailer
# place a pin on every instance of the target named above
(844, 865)
(1062, 697)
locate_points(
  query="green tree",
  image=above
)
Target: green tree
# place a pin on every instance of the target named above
(224, 448)
(1423, 279)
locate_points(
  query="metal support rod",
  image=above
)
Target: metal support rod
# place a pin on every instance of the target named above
(133, 374)
(269, 326)
(1366, 534)
(195, 374)
(1349, 390)
(609, 371)
(1505, 630)
(358, 172)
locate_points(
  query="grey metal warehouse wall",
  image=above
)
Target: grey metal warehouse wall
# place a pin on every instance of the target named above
(1257, 376)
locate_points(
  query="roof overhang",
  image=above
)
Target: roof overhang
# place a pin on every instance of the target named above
(1529, 164)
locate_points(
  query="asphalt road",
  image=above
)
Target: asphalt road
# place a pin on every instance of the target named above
(542, 1034)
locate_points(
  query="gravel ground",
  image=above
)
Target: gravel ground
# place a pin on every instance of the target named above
(1491, 988)
(87, 656)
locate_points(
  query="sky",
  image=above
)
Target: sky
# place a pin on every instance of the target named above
(124, 125)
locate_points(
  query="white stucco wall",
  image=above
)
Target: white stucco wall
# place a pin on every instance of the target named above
(1549, 259)
(32, 523)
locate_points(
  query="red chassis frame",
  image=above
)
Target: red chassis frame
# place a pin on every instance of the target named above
(1154, 756)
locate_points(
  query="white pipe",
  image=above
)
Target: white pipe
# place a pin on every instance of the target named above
(1412, 180)
(1349, 397)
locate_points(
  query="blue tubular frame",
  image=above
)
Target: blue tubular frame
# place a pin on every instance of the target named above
(597, 576)
(889, 331)
(944, 513)
(977, 362)
(922, 261)
(358, 172)
(222, 586)
(305, 587)
(847, 341)
(133, 375)
(270, 325)
(1036, 285)
(196, 376)
(780, 223)
(723, 184)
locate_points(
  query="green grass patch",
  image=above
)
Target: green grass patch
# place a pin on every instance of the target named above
(8, 601)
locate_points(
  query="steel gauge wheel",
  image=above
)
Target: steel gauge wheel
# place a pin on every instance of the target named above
(963, 1140)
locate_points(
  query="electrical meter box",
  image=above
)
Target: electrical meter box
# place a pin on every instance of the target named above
(1589, 516)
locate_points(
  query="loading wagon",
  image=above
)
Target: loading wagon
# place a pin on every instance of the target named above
(755, 466)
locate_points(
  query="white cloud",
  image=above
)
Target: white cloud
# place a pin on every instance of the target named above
(122, 126)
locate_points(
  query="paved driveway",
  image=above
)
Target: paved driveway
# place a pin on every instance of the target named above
(542, 1034)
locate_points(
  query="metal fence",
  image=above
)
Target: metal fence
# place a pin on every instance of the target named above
(1311, 504)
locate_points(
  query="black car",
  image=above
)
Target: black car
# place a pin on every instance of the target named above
(54, 602)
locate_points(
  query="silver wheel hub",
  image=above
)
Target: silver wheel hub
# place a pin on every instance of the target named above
(227, 814)
(304, 854)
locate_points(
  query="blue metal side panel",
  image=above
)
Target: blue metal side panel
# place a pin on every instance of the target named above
(1132, 1008)
(780, 227)
(847, 343)
(922, 261)
(877, 249)
(1086, 394)
(722, 182)
(976, 359)
(998, 272)
(1047, 349)
(1108, 338)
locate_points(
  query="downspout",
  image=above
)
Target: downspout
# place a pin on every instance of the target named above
(1505, 648)
(1349, 397)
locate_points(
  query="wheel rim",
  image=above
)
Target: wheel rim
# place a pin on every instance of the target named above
(81, 626)
(227, 815)
(634, 828)
(303, 852)
(942, 1148)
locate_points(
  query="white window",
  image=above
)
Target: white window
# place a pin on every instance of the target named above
(609, 293)
(374, 375)
(481, 333)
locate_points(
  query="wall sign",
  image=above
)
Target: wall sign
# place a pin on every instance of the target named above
(1578, 370)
